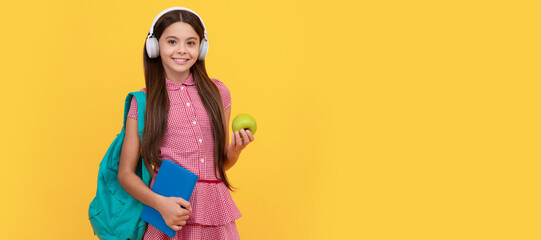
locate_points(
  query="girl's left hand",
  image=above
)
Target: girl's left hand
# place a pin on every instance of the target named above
(238, 143)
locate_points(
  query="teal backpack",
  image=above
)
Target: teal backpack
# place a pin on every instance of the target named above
(113, 213)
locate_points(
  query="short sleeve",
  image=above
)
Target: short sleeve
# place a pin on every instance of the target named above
(133, 107)
(224, 92)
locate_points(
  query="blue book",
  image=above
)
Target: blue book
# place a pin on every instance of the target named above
(172, 181)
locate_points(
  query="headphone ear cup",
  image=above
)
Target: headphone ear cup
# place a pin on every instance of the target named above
(153, 49)
(203, 49)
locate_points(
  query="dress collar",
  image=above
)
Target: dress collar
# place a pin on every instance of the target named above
(176, 85)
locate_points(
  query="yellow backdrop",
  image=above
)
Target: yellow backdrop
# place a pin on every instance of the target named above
(376, 119)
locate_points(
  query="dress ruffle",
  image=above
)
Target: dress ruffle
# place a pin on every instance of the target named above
(212, 205)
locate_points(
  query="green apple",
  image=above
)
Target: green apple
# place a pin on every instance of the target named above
(244, 121)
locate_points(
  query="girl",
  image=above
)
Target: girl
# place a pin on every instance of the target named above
(186, 121)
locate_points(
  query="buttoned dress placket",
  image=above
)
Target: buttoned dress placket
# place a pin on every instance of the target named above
(191, 113)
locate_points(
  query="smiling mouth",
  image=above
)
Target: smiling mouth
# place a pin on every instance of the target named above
(180, 60)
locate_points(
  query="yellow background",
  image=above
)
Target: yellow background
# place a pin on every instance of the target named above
(376, 119)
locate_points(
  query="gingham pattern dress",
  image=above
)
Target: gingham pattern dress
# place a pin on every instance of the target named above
(188, 141)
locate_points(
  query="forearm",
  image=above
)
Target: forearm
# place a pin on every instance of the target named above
(134, 186)
(230, 160)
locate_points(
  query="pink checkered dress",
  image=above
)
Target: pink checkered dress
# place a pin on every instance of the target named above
(188, 141)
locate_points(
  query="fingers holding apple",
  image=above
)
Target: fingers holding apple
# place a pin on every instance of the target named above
(244, 127)
(247, 135)
(238, 143)
(242, 138)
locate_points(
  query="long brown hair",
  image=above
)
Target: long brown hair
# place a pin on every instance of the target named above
(157, 107)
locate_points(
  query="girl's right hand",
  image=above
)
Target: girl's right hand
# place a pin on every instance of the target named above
(175, 217)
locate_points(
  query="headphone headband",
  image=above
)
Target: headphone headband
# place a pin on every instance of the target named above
(151, 32)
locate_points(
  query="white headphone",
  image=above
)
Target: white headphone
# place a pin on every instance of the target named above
(152, 47)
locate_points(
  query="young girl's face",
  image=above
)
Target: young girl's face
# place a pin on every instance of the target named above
(179, 48)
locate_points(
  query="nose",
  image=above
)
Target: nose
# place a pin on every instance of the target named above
(181, 48)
